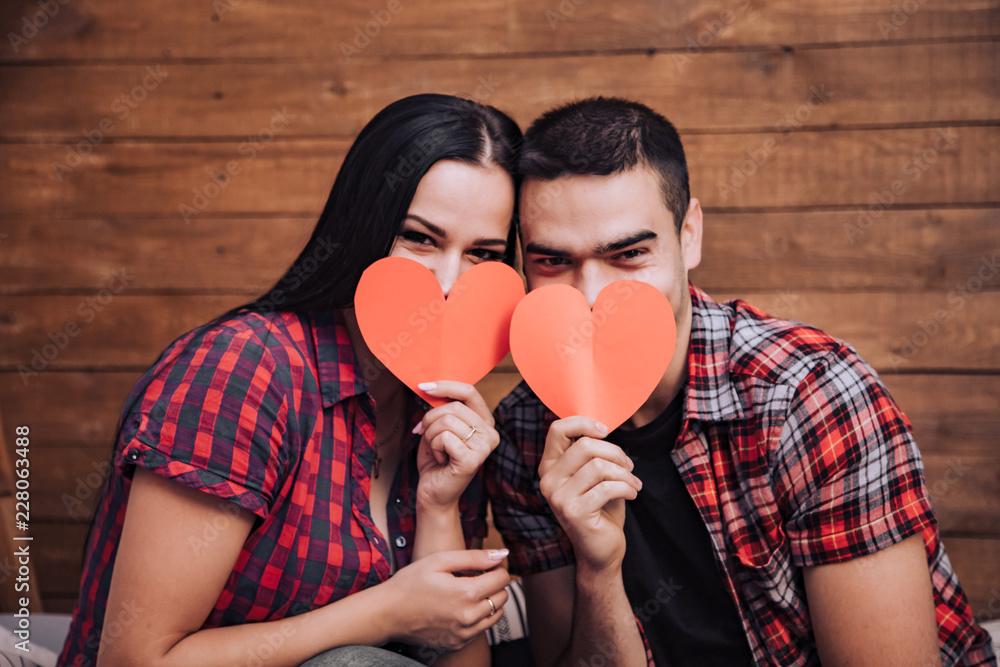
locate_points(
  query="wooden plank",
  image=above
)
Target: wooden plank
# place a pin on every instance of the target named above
(875, 169)
(72, 483)
(952, 415)
(900, 331)
(245, 256)
(977, 564)
(67, 409)
(59, 557)
(965, 491)
(100, 331)
(498, 384)
(914, 83)
(293, 177)
(116, 29)
(282, 178)
(932, 250)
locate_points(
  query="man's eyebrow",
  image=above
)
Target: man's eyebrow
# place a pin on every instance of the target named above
(542, 249)
(615, 246)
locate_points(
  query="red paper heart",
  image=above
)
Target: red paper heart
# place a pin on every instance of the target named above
(421, 336)
(603, 363)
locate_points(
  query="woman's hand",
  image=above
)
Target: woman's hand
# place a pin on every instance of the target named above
(457, 438)
(440, 601)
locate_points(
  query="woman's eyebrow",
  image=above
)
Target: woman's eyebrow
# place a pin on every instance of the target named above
(440, 232)
(429, 225)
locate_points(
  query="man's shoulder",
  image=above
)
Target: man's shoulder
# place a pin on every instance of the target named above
(766, 348)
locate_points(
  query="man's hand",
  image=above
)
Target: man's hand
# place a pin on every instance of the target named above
(586, 481)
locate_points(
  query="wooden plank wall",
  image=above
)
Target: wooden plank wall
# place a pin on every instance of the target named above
(845, 152)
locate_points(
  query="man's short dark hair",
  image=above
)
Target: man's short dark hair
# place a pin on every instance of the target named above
(601, 136)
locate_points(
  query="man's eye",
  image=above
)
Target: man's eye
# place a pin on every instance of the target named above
(631, 253)
(487, 255)
(552, 262)
(416, 237)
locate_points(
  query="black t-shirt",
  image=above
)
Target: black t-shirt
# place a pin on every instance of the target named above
(672, 581)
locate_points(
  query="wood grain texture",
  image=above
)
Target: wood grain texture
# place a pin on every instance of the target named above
(977, 563)
(952, 415)
(113, 29)
(892, 84)
(66, 410)
(800, 169)
(42, 335)
(933, 250)
(965, 491)
(245, 256)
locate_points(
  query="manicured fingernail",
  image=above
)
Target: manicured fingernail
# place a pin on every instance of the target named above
(419, 428)
(601, 428)
(427, 386)
(631, 464)
(497, 554)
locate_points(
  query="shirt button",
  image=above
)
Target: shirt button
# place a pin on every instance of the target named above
(377, 540)
(133, 454)
(399, 501)
(400, 541)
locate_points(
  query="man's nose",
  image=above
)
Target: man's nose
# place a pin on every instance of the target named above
(591, 280)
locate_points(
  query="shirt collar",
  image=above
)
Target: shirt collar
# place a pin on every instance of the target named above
(711, 394)
(340, 372)
(341, 375)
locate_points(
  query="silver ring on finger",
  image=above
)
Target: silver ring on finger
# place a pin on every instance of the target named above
(466, 439)
(493, 607)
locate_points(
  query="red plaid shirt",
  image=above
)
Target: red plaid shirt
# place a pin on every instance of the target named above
(795, 455)
(271, 413)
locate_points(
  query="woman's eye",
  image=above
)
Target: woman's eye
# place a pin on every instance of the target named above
(487, 255)
(416, 237)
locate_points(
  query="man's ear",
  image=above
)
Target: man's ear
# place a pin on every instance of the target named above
(690, 235)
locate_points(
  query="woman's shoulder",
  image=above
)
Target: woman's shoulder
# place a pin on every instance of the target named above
(274, 334)
(244, 342)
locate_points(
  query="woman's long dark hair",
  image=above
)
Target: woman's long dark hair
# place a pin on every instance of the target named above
(374, 189)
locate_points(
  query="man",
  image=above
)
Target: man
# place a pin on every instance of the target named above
(765, 505)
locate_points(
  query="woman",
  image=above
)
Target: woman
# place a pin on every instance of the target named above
(276, 492)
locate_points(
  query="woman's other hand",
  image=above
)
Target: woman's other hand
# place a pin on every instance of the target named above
(443, 602)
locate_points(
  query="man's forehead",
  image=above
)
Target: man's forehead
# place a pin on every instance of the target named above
(577, 212)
